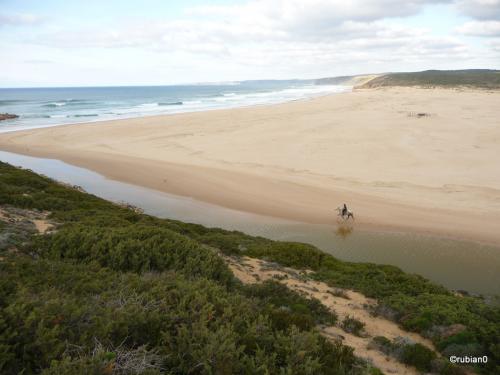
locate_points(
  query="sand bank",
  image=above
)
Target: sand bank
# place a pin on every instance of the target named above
(434, 173)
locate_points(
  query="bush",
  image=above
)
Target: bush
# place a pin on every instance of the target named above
(288, 307)
(418, 356)
(353, 325)
(55, 312)
(383, 344)
(412, 354)
(291, 254)
(137, 248)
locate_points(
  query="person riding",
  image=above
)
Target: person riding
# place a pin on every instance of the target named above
(344, 210)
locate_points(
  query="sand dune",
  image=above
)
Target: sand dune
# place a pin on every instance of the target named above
(424, 160)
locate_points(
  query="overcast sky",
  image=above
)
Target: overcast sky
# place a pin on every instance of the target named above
(154, 42)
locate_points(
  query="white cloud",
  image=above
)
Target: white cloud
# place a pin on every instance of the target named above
(319, 12)
(19, 19)
(481, 28)
(495, 44)
(275, 39)
(236, 42)
(480, 9)
(293, 35)
(312, 19)
(38, 61)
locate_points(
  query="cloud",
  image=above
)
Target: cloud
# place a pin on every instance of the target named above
(320, 12)
(495, 45)
(281, 38)
(481, 28)
(188, 36)
(19, 19)
(38, 61)
(215, 29)
(480, 9)
(312, 19)
(272, 45)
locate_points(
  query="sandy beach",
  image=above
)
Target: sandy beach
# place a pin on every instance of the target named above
(436, 173)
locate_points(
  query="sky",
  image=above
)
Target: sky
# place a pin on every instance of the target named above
(46, 43)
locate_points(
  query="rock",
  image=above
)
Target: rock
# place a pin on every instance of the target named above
(7, 116)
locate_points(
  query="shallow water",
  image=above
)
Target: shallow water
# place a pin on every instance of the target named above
(455, 264)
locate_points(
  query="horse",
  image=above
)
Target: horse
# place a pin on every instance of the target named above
(345, 213)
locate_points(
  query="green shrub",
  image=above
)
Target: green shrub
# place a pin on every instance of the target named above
(288, 307)
(54, 313)
(411, 354)
(375, 371)
(418, 356)
(353, 325)
(290, 254)
(482, 78)
(135, 248)
(384, 345)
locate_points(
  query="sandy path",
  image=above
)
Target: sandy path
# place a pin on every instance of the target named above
(42, 225)
(435, 174)
(37, 218)
(251, 270)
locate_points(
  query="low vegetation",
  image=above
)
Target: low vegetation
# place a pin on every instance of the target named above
(475, 78)
(58, 315)
(111, 290)
(353, 325)
(287, 307)
(416, 355)
(114, 291)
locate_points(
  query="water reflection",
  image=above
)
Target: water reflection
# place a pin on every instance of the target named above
(344, 230)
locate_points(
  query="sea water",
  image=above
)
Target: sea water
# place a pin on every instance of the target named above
(41, 107)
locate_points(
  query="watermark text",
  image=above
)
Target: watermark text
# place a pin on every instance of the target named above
(468, 359)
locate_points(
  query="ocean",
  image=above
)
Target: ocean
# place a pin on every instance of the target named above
(42, 107)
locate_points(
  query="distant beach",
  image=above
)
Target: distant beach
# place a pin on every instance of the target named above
(404, 159)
